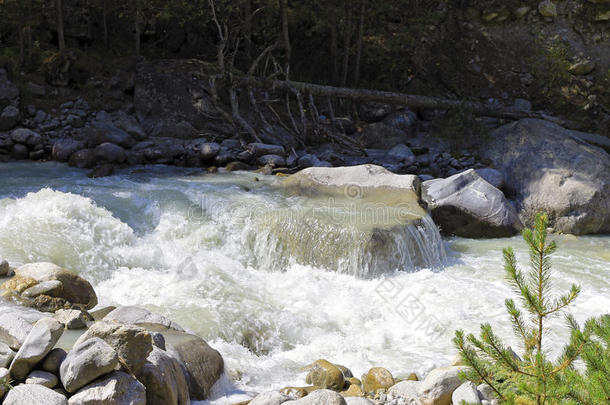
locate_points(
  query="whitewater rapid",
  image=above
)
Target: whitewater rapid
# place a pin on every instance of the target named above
(184, 244)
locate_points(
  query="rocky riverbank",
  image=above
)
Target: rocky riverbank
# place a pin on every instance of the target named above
(55, 350)
(525, 166)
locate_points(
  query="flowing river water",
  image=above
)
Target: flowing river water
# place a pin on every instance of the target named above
(272, 280)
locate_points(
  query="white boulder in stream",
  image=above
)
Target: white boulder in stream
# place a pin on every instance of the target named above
(13, 330)
(553, 169)
(438, 386)
(87, 361)
(468, 206)
(41, 339)
(363, 220)
(33, 394)
(117, 388)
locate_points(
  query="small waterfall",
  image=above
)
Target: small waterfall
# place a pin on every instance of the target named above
(354, 241)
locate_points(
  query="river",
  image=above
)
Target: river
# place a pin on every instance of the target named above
(274, 294)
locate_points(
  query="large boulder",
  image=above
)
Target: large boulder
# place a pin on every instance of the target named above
(203, 364)
(407, 390)
(382, 230)
(549, 168)
(132, 343)
(41, 339)
(87, 361)
(139, 316)
(466, 393)
(63, 149)
(109, 152)
(75, 289)
(164, 379)
(466, 205)
(106, 132)
(34, 394)
(117, 388)
(269, 398)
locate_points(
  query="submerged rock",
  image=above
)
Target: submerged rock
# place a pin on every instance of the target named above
(468, 206)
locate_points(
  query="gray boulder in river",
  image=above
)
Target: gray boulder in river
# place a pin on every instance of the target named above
(468, 206)
(552, 169)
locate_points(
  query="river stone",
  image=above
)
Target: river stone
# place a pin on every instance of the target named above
(132, 343)
(269, 398)
(13, 330)
(26, 137)
(9, 117)
(358, 401)
(439, 384)
(43, 378)
(551, 169)
(87, 361)
(139, 316)
(547, 8)
(164, 379)
(408, 390)
(486, 392)
(319, 397)
(63, 149)
(364, 181)
(4, 268)
(209, 150)
(324, 374)
(106, 132)
(6, 355)
(468, 206)
(377, 378)
(71, 318)
(273, 160)
(109, 152)
(401, 153)
(117, 388)
(82, 159)
(51, 288)
(5, 379)
(204, 365)
(583, 67)
(53, 360)
(41, 339)
(33, 394)
(467, 392)
(259, 149)
(75, 289)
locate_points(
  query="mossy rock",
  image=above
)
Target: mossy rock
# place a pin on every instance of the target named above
(18, 284)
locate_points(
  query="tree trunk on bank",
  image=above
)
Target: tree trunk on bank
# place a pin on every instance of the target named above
(61, 42)
(388, 97)
(285, 33)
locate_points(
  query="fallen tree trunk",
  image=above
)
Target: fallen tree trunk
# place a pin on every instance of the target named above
(401, 99)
